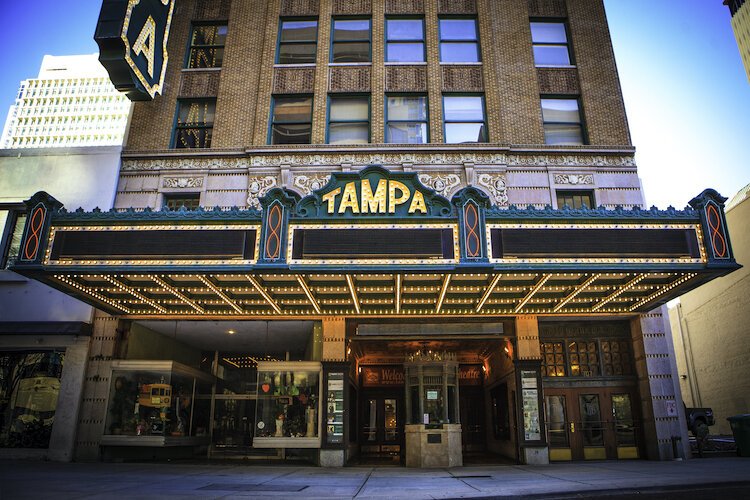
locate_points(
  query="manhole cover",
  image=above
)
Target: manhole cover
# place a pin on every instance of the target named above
(252, 487)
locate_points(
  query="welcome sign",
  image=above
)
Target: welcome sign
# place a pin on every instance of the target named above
(374, 192)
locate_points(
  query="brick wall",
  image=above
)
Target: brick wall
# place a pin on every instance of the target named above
(508, 77)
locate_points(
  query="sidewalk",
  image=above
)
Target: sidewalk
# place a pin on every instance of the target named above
(41, 480)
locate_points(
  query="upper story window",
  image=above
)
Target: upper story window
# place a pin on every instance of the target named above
(550, 43)
(188, 201)
(207, 46)
(562, 122)
(404, 40)
(406, 119)
(195, 123)
(12, 222)
(298, 41)
(459, 40)
(349, 120)
(575, 199)
(291, 121)
(587, 358)
(464, 119)
(350, 42)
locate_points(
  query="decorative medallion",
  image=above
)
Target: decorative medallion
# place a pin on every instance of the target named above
(257, 187)
(495, 184)
(574, 179)
(183, 182)
(309, 183)
(443, 184)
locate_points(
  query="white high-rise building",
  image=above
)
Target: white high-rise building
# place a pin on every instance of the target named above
(71, 103)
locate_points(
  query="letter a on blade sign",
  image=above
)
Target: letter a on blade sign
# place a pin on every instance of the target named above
(132, 37)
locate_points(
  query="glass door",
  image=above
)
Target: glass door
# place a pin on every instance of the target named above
(382, 429)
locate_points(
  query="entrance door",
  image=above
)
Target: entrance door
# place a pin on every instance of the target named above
(471, 407)
(592, 423)
(382, 426)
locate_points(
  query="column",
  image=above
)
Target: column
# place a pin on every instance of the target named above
(333, 358)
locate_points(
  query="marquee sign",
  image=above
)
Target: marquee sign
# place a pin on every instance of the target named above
(132, 37)
(374, 192)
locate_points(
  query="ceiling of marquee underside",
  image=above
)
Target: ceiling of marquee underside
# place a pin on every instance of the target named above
(299, 295)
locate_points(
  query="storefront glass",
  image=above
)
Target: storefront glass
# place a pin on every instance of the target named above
(29, 389)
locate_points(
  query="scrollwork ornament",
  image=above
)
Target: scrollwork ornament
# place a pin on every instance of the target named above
(574, 179)
(443, 184)
(183, 182)
(309, 183)
(497, 186)
(257, 187)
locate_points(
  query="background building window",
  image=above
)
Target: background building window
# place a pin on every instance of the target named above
(195, 123)
(575, 199)
(459, 40)
(190, 201)
(351, 41)
(550, 42)
(292, 120)
(349, 120)
(298, 41)
(207, 46)
(12, 223)
(404, 40)
(562, 121)
(464, 119)
(406, 119)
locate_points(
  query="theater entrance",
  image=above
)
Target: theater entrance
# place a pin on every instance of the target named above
(382, 405)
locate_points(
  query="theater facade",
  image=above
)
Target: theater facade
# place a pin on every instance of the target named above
(363, 232)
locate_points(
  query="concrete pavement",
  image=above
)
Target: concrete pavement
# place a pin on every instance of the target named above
(40, 480)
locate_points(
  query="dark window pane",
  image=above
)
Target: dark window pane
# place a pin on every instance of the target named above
(209, 35)
(563, 134)
(351, 52)
(299, 31)
(196, 113)
(291, 134)
(176, 202)
(407, 108)
(351, 29)
(348, 133)
(463, 108)
(207, 46)
(464, 132)
(459, 52)
(193, 138)
(16, 232)
(206, 57)
(405, 52)
(560, 111)
(292, 109)
(297, 53)
(551, 55)
(458, 29)
(591, 420)
(407, 133)
(548, 33)
(404, 29)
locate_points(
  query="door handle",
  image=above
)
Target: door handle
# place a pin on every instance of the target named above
(572, 427)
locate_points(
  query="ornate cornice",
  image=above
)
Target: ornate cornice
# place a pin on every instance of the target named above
(149, 215)
(635, 213)
(497, 186)
(357, 158)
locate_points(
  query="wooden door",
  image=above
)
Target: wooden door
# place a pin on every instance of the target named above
(382, 424)
(592, 423)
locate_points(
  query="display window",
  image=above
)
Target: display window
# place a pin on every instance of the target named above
(157, 399)
(288, 405)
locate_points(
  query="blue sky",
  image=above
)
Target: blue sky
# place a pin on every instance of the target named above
(686, 93)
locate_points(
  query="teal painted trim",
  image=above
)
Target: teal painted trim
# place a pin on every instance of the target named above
(601, 214)
(148, 215)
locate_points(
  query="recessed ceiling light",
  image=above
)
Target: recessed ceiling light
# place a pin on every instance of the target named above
(231, 332)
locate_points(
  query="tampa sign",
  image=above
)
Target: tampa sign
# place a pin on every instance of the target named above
(374, 192)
